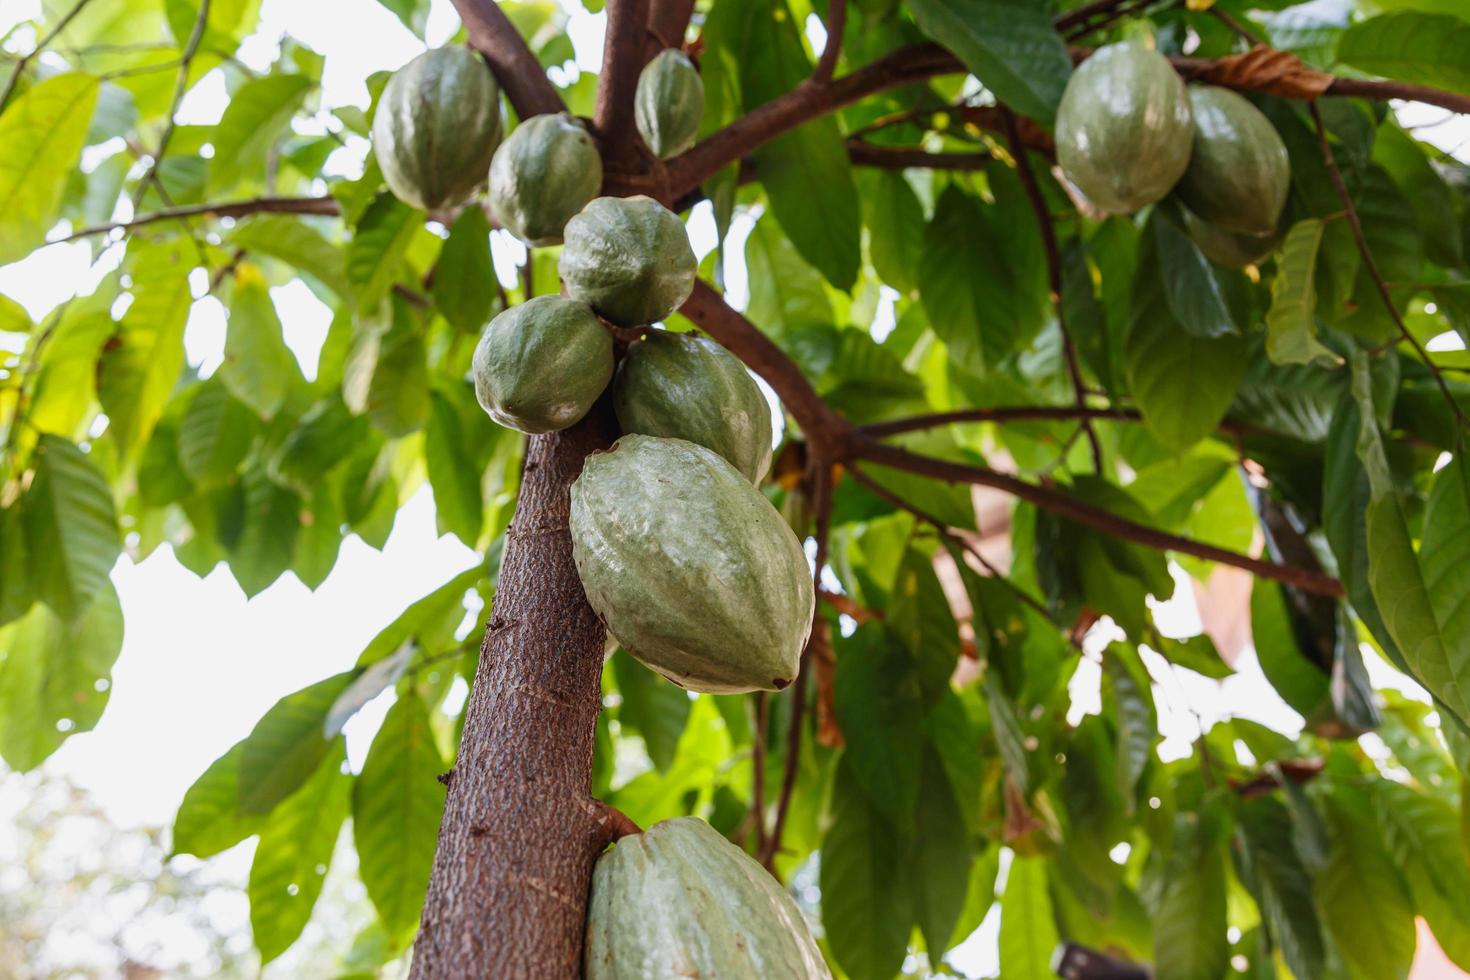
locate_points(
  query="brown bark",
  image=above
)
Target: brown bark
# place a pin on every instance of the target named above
(521, 831)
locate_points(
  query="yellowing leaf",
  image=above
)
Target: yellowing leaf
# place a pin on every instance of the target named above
(42, 134)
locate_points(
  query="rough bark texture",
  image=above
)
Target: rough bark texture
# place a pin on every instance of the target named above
(521, 831)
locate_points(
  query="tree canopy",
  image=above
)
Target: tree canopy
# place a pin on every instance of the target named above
(941, 320)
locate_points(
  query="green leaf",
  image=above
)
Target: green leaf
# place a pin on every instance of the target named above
(267, 539)
(323, 437)
(1437, 209)
(1300, 681)
(920, 618)
(880, 708)
(55, 677)
(895, 221)
(1009, 737)
(1291, 324)
(1438, 659)
(1028, 929)
(1183, 384)
(396, 806)
(1194, 287)
(439, 612)
(1197, 653)
(1411, 46)
(259, 113)
(785, 292)
(293, 855)
(413, 13)
(387, 373)
(1361, 893)
(1422, 835)
(1127, 686)
(257, 368)
(297, 244)
(867, 898)
(287, 745)
(71, 527)
(17, 591)
(1010, 45)
(371, 682)
(208, 820)
(1280, 883)
(378, 246)
(215, 433)
(942, 857)
(62, 396)
(454, 474)
(140, 366)
(464, 277)
(13, 316)
(1188, 906)
(42, 132)
(652, 706)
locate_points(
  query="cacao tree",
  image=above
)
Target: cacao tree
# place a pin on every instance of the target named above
(1062, 311)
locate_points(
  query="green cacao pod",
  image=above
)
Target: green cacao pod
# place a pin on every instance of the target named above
(437, 126)
(669, 103)
(1123, 128)
(689, 387)
(545, 172)
(1239, 172)
(629, 259)
(539, 366)
(1228, 248)
(679, 900)
(690, 566)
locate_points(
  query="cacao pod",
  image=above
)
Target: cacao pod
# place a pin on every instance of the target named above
(539, 366)
(690, 566)
(1239, 172)
(689, 387)
(1228, 248)
(545, 172)
(629, 259)
(669, 103)
(1123, 128)
(679, 900)
(437, 126)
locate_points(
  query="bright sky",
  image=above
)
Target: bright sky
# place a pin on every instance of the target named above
(200, 664)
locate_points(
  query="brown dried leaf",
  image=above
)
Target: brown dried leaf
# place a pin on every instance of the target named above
(1264, 69)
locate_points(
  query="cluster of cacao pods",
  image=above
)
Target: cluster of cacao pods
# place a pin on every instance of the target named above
(1129, 132)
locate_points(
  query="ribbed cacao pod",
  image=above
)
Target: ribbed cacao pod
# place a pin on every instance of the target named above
(539, 366)
(437, 126)
(545, 172)
(1239, 173)
(629, 259)
(669, 103)
(690, 566)
(688, 387)
(1124, 132)
(679, 900)
(1228, 248)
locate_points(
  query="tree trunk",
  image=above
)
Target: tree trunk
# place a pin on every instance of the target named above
(520, 833)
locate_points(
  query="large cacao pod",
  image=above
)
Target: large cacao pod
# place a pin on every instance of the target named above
(1123, 128)
(629, 259)
(679, 900)
(539, 366)
(1239, 172)
(690, 566)
(688, 387)
(545, 172)
(669, 103)
(437, 126)
(1228, 248)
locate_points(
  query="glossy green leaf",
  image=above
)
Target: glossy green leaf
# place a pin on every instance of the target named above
(259, 112)
(454, 473)
(1411, 46)
(1291, 325)
(299, 245)
(653, 707)
(386, 374)
(1280, 884)
(465, 290)
(942, 856)
(1028, 929)
(209, 820)
(267, 541)
(1189, 906)
(140, 367)
(377, 248)
(1195, 289)
(1361, 893)
(287, 745)
(396, 805)
(71, 527)
(879, 706)
(1128, 687)
(42, 132)
(785, 292)
(895, 221)
(258, 367)
(215, 433)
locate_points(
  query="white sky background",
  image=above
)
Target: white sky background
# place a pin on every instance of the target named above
(200, 664)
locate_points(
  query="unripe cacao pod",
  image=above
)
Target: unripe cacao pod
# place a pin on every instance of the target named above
(1239, 172)
(688, 387)
(436, 127)
(545, 172)
(539, 366)
(679, 900)
(669, 103)
(629, 259)
(1228, 248)
(690, 566)
(1124, 132)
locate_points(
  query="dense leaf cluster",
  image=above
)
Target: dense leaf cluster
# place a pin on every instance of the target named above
(1312, 402)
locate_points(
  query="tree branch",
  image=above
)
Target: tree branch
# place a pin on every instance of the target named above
(836, 26)
(1054, 276)
(1089, 515)
(514, 66)
(25, 60)
(1018, 413)
(325, 205)
(899, 157)
(181, 86)
(612, 121)
(667, 22)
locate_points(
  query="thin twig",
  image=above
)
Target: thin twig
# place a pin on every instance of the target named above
(1370, 265)
(836, 26)
(325, 205)
(25, 60)
(1054, 276)
(1250, 36)
(901, 157)
(180, 87)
